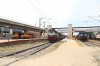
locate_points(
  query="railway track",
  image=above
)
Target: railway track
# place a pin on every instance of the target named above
(92, 43)
(26, 53)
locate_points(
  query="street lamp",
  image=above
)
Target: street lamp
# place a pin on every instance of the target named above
(44, 24)
(44, 28)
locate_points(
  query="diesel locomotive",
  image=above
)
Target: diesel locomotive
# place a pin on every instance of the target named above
(82, 36)
(54, 36)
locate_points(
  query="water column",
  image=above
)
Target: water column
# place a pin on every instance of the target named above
(69, 31)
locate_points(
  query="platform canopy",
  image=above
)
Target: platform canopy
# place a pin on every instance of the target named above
(17, 25)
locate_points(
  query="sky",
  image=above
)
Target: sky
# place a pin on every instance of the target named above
(79, 13)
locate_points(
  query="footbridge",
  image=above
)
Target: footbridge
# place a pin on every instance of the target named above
(70, 30)
(78, 29)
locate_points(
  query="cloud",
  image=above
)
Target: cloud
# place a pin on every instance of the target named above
(62, 12)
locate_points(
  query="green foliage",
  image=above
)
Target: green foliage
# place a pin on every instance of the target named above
(57, 45)
(89, 33)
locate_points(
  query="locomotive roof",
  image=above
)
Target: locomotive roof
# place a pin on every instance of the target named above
(82, 32)
(51, 30)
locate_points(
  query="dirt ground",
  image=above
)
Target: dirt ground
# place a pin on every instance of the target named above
(68, 54)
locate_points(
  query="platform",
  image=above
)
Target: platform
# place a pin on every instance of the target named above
(6, 40)
(69, 53)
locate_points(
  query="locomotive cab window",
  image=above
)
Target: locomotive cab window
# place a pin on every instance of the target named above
(49, 33)
(53, 33)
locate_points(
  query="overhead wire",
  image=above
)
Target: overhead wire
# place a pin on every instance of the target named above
(94, 19)
(11, 14)
(95, 8)
(45, 12)
(36, 8)
(39, 10)
(93, 11)
(42, 8)
(96, 12)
